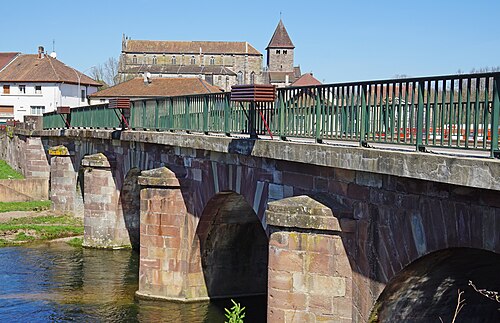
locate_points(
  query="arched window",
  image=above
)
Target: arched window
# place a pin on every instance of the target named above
(285, 51)
(155, 60)
(174, 60)
(212, 60)
(239, 78)
(193, 60)
(134, 59)
(252, 78)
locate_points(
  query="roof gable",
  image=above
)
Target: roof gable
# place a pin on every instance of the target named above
(306, 79)
(31, 68)
(280, 38)
(158, 87)
(190, 47)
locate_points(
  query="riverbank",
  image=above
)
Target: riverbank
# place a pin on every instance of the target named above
(21, 227)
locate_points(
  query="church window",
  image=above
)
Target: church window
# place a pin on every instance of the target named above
(277, 51)
(155, 60)
(252, 78)
(134, 59)
(174, 60)
(239, 79)
(284, 52)
(212, 60)
(193, 60)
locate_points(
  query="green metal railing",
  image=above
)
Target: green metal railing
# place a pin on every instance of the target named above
(454, 111)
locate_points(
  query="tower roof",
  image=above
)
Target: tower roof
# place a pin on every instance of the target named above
(280, 38)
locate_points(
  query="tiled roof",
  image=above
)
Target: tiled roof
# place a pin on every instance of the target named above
(30, 68)
(280, 77)
(178, 69)
(190, 47)
(157, 87)
(280, 38)
(305, 80)
(5, 58)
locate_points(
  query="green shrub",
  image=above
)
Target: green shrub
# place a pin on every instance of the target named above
(236, 314)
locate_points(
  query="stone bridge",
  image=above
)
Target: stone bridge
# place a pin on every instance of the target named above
(328, 233)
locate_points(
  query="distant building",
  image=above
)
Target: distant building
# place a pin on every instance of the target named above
(222, 64)
(307, 79)
(154, 87)
(32, 84)
(280, 51)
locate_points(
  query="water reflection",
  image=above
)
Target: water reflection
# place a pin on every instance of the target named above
(56, 282)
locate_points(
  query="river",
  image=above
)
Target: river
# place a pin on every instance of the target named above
(54, 282)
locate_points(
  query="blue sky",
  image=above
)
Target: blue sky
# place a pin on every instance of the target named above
(336, 40)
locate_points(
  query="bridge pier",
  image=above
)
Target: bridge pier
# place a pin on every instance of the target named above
(164, 248)
(62, 179)
(310, 277)
(104, 225)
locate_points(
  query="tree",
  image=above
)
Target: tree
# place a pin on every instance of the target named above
(106, 73)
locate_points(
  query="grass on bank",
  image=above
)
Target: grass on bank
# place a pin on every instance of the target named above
(29, 229)
(25, 206)
(6, 172)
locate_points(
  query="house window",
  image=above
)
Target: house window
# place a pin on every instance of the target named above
(174, 60)
(22, 89)
(37, 110)
(277, 51)
(6, 89)
(212, 60)
(155, 60)
(193, 60)
(134, 59)
(252, 78)
(82, 96)
(239, 79)
(38, 89)
(285, 52)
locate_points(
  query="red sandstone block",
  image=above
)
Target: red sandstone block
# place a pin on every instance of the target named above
(169, 231)
(287, 300)
(299, 316)
(280, 280)
(321, 304)
(170, 219)
(358, 192)
(345, 175)
(279, 240)
(338, 188)
(153, 230)
(275, 315)
(298, 180)
(150, 263)
(171, 242)
(320, 263)
(150, 219)
(297, 241)
(283, 260)
(320, 243)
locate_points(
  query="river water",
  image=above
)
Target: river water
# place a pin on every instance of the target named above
(59, 283)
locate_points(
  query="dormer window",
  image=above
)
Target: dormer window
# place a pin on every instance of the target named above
(278, 51)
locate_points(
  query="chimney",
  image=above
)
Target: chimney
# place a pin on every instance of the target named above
(40, 51)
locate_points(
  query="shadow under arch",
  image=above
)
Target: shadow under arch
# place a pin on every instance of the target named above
(130, 205)
(233, 247)
(427, 289)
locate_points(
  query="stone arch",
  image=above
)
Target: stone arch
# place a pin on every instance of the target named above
(427, 289)
(233, 247)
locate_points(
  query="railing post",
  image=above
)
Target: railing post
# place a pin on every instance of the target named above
(227, 112)
(144, 114)
(420, 116)
(186, 115)
(171, 114)
(251, 121)
(495, 112)
(157, 117)
(281, 111)
(205, 115)
(132, 115)
(364, 118)
(318, 117)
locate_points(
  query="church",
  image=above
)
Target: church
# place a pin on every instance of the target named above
(222, 64)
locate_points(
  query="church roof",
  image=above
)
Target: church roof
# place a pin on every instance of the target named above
(181, 69)
(306, 80)
(280, 38)
(157, 87)
(189, 47)
(31, 68)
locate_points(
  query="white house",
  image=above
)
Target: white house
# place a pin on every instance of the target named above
(32, 84)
